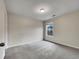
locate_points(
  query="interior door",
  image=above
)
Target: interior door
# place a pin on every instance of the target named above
(3, 37)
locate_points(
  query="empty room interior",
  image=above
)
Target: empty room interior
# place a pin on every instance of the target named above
(39, 29)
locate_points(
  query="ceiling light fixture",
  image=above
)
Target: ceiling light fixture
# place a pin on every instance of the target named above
(42, 10)
(53, 15)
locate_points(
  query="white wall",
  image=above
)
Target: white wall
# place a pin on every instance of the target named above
(66, 29)
(23, 30)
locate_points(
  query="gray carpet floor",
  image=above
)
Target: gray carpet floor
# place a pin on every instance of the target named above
(41, 50)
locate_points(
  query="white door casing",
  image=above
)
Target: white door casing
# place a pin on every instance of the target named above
(3, 28)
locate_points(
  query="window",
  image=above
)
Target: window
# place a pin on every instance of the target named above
(50, 29)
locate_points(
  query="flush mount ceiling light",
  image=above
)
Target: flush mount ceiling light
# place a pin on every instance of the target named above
(42, 10)
(53, 15)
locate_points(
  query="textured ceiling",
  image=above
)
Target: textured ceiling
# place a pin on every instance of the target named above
(30, 8)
